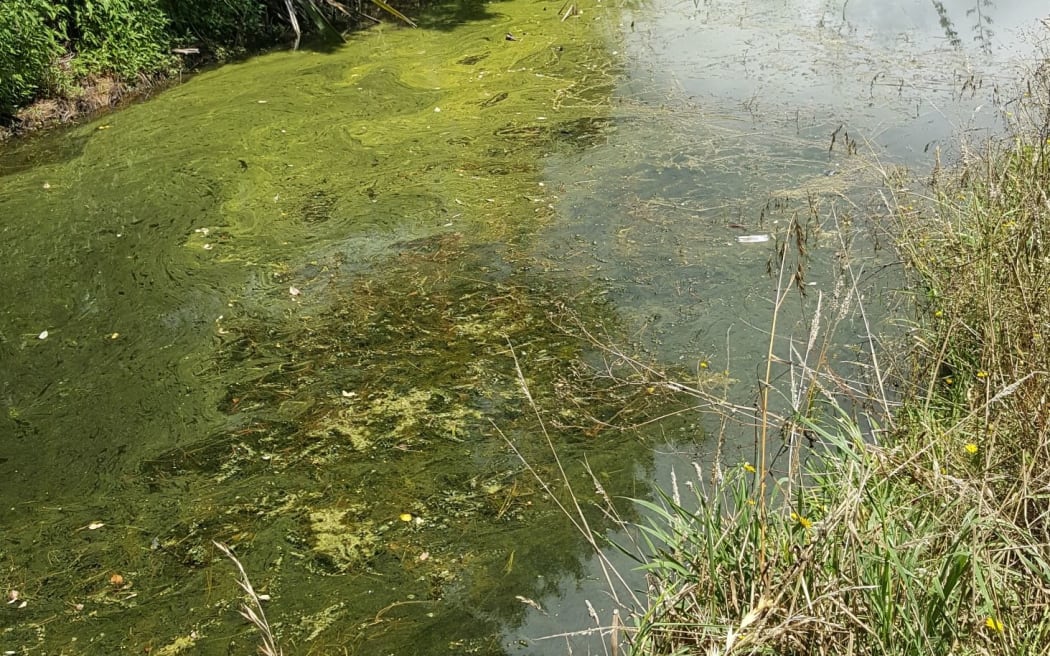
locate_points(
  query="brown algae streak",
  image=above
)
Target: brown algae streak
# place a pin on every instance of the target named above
(272, 307)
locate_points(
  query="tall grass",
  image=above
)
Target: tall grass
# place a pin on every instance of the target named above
(931, 536)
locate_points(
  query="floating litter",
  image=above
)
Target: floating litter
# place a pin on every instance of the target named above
(752, 239)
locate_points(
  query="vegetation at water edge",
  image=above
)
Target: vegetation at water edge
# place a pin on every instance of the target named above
(925, 530)
(83, 54)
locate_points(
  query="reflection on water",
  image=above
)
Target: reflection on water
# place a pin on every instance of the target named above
(276, 306)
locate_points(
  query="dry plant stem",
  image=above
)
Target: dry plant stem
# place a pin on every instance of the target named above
(711, 401)
(252, 610)
(887, 415)
(764, 418)
(577, 517)
(295, 23)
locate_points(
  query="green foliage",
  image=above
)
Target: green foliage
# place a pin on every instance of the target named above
(126, 38)
(879, 552)
(29, 43)
(228, 26)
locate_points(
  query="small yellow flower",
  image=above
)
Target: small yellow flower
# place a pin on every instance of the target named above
(703, 364)
(939, 313)
(971, 448)
(749, 468)
(994, 624)
(804, 522)
(982, 374)
(405, 517)
(949, 380)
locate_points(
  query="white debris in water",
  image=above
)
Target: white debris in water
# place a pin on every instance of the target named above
(42, 335)
(752, 239)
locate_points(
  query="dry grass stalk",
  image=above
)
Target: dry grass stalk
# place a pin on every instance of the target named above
(252, 609)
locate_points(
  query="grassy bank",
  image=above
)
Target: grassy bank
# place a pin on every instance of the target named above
(62, 59)
(927, 529)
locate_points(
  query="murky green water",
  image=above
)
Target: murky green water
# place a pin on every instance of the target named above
(275, 307)
(279, 306)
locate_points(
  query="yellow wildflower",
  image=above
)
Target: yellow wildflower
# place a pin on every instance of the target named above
(994, 624)
(804, 522)
(982, 374)
(749, 468)
(405, 517)
(971, 448)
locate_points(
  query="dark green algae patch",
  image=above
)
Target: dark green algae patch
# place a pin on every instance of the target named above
(282, 306)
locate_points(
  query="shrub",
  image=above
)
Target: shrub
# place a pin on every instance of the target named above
(29, 43)
(126, 38)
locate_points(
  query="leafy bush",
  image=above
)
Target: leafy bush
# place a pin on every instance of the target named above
(29, 43)
(126, 38)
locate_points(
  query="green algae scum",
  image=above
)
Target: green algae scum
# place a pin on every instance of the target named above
(279, 307)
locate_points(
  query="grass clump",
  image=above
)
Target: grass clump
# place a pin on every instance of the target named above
(876, 554)
(929, 537)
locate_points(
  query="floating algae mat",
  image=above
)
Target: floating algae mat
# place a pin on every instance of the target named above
(365, 464)
(283, 307)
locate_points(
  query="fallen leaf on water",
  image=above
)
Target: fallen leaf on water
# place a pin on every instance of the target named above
(294, 291)
(95, 525)
(42, 335)
(114, 336)
(116, 580)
